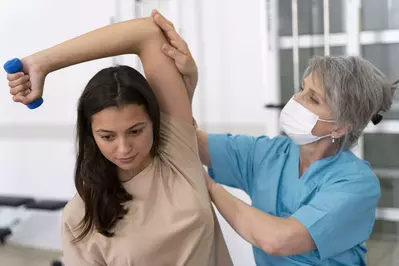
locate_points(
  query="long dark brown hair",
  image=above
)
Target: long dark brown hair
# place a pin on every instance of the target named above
(96, 178)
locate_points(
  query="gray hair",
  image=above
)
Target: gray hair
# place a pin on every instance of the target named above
(355, 90)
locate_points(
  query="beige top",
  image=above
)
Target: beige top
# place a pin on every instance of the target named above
(170, 219)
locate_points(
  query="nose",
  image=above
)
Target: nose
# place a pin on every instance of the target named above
(124, 147)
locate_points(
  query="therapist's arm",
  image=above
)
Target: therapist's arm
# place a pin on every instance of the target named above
(274, 235)
(203, 147)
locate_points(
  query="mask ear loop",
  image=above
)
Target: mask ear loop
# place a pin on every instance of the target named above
(327, 121)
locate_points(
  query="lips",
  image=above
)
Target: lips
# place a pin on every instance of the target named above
(126, 160)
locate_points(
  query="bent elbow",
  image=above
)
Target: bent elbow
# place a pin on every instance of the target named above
(146, 31)
(272, 248)
(151, 29)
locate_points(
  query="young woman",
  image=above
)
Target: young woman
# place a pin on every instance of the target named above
(142, 199)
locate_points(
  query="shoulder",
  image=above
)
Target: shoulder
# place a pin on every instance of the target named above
(353, 175)
(73, 212)
(241, 141)
(274, 147)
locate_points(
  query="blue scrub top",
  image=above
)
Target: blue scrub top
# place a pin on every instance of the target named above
(335, 199)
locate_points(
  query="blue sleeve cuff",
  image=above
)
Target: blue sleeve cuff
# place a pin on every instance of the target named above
(218, 154)
(308, 217)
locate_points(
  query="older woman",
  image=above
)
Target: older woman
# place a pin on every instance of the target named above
(313, 200)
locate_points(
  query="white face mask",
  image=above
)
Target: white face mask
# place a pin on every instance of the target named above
(298, 122)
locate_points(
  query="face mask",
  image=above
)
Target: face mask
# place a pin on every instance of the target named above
(298, 122)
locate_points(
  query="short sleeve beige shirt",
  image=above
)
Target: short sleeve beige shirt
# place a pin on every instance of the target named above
(170, 219)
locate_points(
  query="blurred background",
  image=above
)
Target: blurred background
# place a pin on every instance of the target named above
(251, 55)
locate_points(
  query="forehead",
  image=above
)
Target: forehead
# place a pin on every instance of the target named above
(312, 81)
(119, 118)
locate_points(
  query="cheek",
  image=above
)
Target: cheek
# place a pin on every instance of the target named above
(312, 107)
(305, 103)
(322, 129)
(106, 148)
(144, 142)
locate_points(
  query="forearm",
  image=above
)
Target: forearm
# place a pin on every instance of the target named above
(271, 234)
(116, 39)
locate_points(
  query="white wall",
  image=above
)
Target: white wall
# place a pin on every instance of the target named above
(37, 147)
(226, 37)
(231, 94)
(41, 140)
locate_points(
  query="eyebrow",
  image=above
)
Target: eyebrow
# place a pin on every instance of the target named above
(130, 128)
(312, 90)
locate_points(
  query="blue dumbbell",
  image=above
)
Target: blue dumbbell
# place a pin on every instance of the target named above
(14, 66)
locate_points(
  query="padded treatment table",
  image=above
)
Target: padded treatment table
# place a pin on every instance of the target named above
(28, 204)
(13, 202)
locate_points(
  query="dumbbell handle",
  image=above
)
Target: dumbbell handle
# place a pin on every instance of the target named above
(13, 66)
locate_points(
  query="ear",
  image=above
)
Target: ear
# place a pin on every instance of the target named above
(340, 131)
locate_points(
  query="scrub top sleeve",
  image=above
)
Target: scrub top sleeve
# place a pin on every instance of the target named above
(232, 159)
(341, 215)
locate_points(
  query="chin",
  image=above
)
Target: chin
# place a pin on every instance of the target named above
(127, 167)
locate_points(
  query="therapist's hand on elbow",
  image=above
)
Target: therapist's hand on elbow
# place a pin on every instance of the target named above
(178, 50)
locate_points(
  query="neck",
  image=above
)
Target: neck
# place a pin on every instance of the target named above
(313, 152)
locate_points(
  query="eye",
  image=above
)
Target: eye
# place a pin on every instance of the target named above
(136, 132)
(314, 99)
(301, 88)
(107, 138)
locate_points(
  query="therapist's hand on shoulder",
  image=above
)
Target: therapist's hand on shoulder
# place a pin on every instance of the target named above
(178, 50)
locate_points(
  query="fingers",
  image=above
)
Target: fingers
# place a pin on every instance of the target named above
(171, 51)
(174, 38)
(168, 28)
(162, 20)
(15, 81)
(26, 97)
(181, 46)
(163, 23)
(21, 88)
(182, 61)
(18, 83)
(15, 76)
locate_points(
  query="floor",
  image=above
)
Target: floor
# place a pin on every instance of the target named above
(381, 253)
(21, 256)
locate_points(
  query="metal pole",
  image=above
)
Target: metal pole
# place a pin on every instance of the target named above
(326, 27)
(295, 44)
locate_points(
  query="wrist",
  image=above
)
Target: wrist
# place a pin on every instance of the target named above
(37, 63)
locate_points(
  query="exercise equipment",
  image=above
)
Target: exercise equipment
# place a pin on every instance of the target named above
(13, 202)
(13, 66)
(26, 204)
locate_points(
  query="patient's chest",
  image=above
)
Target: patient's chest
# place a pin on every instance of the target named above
(169, 223)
